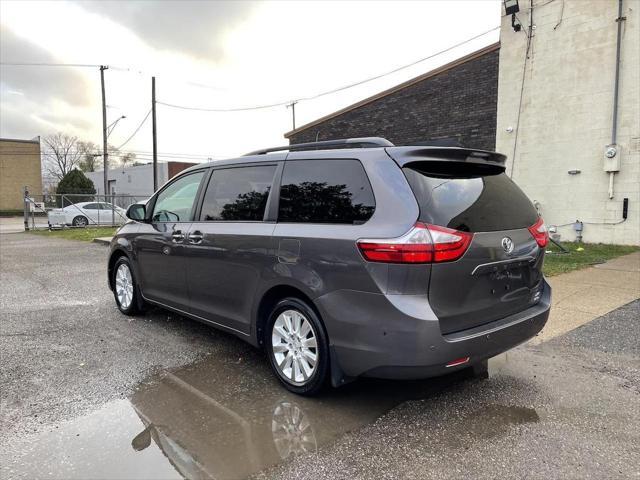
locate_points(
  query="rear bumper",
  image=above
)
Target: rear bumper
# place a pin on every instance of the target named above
(399, 337)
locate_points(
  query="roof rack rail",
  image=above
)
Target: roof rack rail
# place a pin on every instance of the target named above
(363, 142)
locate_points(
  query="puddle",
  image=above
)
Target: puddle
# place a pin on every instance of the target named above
(219, 418)
(97, 445)
(493, 420)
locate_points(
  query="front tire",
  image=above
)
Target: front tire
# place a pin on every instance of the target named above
(297, 347)
(125, 287)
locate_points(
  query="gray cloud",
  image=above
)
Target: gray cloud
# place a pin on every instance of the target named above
(24, 118)
(191, 27)
(40, 84)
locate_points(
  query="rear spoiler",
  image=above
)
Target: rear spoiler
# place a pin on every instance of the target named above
(404, 156)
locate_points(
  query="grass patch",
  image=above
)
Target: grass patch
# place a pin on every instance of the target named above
(556, 263)
(86, 234)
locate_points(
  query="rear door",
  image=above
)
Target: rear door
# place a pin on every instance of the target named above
(229, 246)
(501, 272)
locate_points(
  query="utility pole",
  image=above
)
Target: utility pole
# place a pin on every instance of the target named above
(155, 138)
(104, 132)
(293, 112)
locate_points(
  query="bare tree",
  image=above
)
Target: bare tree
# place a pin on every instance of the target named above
(91, 157)
(61, 154)
(127, 159)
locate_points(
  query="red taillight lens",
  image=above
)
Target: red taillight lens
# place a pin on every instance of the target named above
(540, 233)
(422, 244)
(448, 244)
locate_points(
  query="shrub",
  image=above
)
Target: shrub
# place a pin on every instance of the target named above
(75, 183)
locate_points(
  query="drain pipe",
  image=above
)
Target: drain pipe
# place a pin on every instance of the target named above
(614, 126)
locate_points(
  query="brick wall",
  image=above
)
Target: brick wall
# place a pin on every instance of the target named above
(459, 102)
(19, 167)
(177, 167)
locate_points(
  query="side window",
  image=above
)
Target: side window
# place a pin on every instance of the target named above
(238, 194)
(175, 202)
(92, 206)
(325, 191)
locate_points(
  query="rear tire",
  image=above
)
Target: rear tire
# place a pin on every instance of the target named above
(297, 347)
(80, 221)
(125, 287)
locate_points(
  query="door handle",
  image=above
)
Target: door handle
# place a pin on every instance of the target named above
(196, 237)
(177, 236)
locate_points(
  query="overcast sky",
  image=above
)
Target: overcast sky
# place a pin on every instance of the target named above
(214, 55)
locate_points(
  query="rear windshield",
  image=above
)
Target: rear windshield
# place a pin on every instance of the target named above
(480, 203)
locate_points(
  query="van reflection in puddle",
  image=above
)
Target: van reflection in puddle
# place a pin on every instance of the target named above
(225, 419)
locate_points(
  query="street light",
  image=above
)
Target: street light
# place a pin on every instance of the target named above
(511, 7)
(112, 125)
(107, 131)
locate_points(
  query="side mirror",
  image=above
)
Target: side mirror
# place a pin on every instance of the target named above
(137, 212)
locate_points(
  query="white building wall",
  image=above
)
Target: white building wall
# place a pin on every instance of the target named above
(566, 114)
(136, 180)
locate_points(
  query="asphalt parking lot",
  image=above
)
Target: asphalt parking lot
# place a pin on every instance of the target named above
(89, 393)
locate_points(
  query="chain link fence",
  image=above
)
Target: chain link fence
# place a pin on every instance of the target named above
(57, 211)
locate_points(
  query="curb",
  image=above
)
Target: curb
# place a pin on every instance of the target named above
(102, 240)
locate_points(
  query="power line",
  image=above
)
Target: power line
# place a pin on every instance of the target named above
(135, 131)
(27, 64)
(238, 109)
(270, 105)
(170, 77)
(112, 153)
(524, 76)
(335, 90)
(395, 70)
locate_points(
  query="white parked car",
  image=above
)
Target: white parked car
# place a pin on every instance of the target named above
(93, 213)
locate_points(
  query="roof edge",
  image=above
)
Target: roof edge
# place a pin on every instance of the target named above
(431, 73)
(19, 140)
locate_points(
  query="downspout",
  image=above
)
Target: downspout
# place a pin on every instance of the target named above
(614, 126)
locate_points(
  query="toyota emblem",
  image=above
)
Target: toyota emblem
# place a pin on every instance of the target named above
(507, 244)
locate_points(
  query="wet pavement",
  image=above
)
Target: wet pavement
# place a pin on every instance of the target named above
(89, 393)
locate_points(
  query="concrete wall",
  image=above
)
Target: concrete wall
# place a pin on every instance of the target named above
(136, 180)
(566, 113)
(454, 101)
(19, 167)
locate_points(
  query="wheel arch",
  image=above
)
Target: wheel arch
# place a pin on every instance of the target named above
(113, 258)
(267, 301)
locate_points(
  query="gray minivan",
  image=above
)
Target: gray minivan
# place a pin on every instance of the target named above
(344, 258)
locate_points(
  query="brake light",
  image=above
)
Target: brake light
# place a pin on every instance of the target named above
(540, 233)
(422, 244)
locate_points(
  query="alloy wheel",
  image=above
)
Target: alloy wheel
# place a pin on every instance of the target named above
(294, 347)
(124, 286)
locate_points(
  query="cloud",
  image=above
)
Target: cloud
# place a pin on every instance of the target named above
(23, 118)
(194, 28)
(39, 84)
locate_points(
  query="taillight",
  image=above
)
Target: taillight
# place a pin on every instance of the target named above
(540, 233)
(422, 244)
